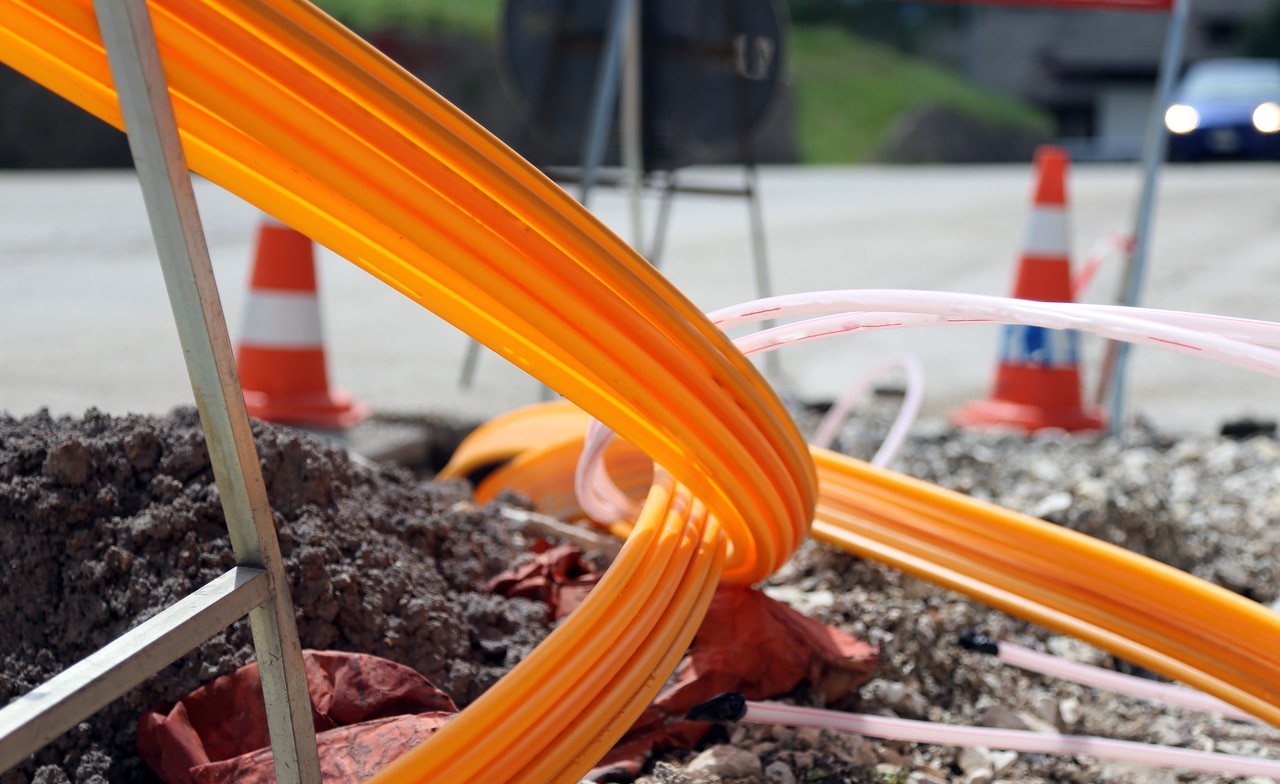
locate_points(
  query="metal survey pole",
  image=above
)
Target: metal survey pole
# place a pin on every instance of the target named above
(143, 92)
(632, 142)
(1111, 384)
(605, 97)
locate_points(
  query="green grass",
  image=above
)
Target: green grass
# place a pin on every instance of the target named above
(467, 17)
(849, 91)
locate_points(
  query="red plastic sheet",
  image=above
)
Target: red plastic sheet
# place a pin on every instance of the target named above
(367, 712)
(557, 576)
(747, 643)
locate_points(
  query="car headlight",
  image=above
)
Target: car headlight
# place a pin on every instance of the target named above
(1266, 117)
(1181, 118)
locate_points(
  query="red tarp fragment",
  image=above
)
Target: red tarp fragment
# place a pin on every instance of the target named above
(747, 643)
(557, 576)
(367, 712)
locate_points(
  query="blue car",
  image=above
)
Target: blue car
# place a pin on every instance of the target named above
(1226, 109)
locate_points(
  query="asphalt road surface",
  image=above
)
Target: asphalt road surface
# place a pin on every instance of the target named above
(85, 321)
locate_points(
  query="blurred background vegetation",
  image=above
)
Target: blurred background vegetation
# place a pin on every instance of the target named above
(854, 65)
(851, 65)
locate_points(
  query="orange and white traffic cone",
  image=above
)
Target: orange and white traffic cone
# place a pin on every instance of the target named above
(280, 356)
(1038, 379)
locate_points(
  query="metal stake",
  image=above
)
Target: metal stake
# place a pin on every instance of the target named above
(1111, 384)
(140, 82)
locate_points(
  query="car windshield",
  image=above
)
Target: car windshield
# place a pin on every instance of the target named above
(1226, 83)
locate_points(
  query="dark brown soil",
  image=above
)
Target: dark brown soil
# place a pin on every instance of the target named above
(105, 521)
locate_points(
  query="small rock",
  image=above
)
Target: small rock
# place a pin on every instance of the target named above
(1002, 761)
(916, 590)
(777, 772)
(1046, 707)
(979, 776)
(903, 700)
(1036, 724)
(807, 602)
(886, 771)
(969, 759)
(68, 463)
(727, 762)
(1052, 504)
(666, 773)
(1233, 575)
(859, 750)
(1003, 718)
(1129, 771)
(1075, 650)
(1070, 711)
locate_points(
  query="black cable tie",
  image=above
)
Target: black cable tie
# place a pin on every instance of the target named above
(730, 706)
(977, 641)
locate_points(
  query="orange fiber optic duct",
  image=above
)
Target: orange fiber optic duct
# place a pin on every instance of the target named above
(285, 108)
(1137, 608)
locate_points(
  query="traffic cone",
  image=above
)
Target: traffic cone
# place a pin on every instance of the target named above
(1037, 382)
(280, 356)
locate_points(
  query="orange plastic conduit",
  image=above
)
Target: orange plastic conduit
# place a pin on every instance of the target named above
(267, 110)
(1148, 612)
(1144, 611)
(283, 107)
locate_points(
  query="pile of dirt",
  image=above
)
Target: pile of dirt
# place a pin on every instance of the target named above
(105, 521)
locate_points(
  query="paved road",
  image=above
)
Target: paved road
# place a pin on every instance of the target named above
(84, 319)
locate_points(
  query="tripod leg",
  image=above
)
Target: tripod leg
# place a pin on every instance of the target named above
(759, 255)
(664, 218)
(469, 364)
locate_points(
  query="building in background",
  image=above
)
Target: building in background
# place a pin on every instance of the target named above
(1093, 70)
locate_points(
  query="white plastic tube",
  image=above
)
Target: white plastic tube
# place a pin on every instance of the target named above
(830, 424)
(598, 496)
(1170, 694)
(1012, 740)
(1243, 343)
(1231, 341)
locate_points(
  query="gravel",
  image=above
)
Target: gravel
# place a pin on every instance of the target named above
(1208, 505)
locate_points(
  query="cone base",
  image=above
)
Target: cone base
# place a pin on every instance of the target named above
(990, 414)
(334, 411)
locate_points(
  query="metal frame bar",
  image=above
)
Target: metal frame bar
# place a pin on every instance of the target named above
(138, 74)
(58, 704)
